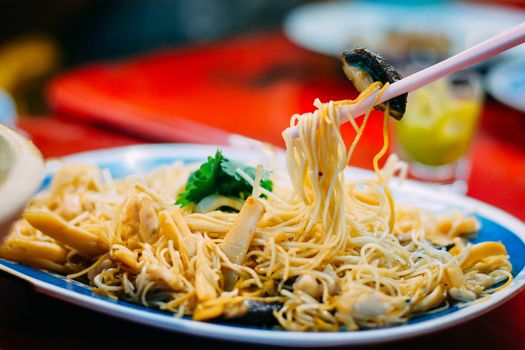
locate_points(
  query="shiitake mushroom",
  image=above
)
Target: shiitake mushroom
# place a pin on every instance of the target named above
(363, 67)
(252, 313)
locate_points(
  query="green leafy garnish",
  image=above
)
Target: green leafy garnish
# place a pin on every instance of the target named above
(219, 176)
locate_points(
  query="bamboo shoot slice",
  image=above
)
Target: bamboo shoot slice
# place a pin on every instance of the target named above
(52, 225)
(237, 241)
(18, 249)
(483, 250)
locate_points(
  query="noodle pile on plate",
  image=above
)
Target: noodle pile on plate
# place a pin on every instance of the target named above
(325, 252)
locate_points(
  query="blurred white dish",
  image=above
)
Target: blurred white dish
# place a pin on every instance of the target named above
(21, 172)
(331, 27)
(506, 83)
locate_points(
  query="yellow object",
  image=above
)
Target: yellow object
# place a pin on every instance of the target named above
(24, 63)
(202, 313)
(128, 258)
(454, 277)
(54, 226)
(437, 127)
(483, 250)
(18, 248)
(26, 58)
(237, 241)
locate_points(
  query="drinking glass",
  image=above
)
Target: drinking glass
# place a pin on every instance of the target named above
(437, 130)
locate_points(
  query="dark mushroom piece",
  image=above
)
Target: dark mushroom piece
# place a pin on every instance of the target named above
(252, 313)
(363, 67)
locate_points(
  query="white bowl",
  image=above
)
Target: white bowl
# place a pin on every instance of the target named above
(21, 173)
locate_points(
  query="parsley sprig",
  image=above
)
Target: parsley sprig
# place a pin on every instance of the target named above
(219, 176)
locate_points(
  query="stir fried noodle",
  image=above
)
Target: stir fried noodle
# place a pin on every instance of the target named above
(330, 252)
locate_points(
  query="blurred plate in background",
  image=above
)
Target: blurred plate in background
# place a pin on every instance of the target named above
(393, 29)
(506, 83)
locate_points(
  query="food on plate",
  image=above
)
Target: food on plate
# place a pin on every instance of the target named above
(313, 251)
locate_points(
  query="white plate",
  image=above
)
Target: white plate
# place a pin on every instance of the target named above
(506, 82)
(328, 27)
(497, 225)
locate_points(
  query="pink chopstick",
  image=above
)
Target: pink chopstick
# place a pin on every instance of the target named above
(482, 51)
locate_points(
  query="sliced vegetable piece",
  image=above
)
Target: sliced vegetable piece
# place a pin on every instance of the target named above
(16, 249)
(170, 230)
(216, 201)
(52, 225)
(237, 241)
(202, 313)
(454, 276)
(205, 276)
(187, 236)
(483, 250)
(127, 257)
(196, 223)
(204, 289)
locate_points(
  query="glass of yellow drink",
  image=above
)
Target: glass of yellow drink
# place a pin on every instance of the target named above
(437, 129)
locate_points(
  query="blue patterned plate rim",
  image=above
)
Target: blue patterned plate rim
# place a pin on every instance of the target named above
(137, 159)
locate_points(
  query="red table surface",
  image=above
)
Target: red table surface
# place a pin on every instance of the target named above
(251, 86)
